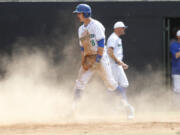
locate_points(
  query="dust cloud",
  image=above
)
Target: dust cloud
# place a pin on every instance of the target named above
(35, 88)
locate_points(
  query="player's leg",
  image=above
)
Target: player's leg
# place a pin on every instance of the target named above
(122, 80)
(176, 83)
(120, 77)
(83, 78)
(176, 89)
(106, 74)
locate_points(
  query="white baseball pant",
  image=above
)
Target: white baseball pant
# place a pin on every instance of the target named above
(176, 83)
(119, 75)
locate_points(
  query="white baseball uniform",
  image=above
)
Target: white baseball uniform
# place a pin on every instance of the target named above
(176, 84)
(97, 32)
(118, 72)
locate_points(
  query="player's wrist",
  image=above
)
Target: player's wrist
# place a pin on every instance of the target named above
(123, 64)
(118, 62)
(98, 58)
(82, 49)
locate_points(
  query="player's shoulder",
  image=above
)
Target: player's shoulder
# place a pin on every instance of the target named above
(113, 36)
(80, 28)
(97, 23)
(174, 43)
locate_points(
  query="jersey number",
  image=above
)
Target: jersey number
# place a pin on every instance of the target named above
(93, 43)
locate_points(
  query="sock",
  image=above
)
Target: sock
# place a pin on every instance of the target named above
(121, 91)
(77, 94)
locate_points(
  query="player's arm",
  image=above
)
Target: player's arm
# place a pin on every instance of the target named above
(100, 50)
(174, 51)
(178, 55)
(111, 54)
(81, 47)
(82, 55)
(85, 67)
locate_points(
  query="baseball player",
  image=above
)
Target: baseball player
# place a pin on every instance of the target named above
(93, 54)
(115, 52)
(175, 51)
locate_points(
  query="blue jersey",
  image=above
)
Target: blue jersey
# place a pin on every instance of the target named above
(174, 48)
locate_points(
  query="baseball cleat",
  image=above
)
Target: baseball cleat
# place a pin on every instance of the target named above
(130, 112)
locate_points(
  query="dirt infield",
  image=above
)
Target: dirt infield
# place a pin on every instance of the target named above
(100, 128)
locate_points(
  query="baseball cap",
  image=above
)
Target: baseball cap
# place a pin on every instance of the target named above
(119, 24)
(178, 33)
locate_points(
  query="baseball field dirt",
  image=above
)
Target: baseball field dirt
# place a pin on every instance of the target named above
(147, 124)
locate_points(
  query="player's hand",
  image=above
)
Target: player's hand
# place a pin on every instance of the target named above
(125, 66)
(85, 67)
(178, 55)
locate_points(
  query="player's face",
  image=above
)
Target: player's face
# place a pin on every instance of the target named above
(120, 31)
(178, 37)
(80, 16)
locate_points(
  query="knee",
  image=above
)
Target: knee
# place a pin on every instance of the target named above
(124, 85)
(112, 86)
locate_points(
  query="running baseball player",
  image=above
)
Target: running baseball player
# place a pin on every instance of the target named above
(115, 52)
(93, 54)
